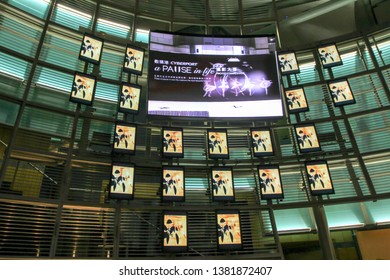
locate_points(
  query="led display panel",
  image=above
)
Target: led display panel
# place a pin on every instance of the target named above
(341, 92)
(229, 230)
(91, 49)
(173, 183)
(262, 144)
(172, 142)
(175, 237)
(213, 77)
(222, 184)
(270, 182)
(318, 175)
(122, 181)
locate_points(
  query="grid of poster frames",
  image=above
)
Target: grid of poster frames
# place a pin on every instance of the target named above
(228, 225)
(222, 187)
(221, 177)
(175, 230)
(84, 85)
(340, 89)
(83, 92)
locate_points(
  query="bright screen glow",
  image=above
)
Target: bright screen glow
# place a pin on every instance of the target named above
(213, 77)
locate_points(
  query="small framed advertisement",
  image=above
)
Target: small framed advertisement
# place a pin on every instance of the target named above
(341, 92)
(296, 100)
(229, 230)
(307, 138)
(270, 182)
(129, 98)
(173, 183)
(218, 147)
(134, 60)
(319, 179)
(329, 55)
(83, 89)
(172, 142)
(262, 144)
(222, 184)
(288, 63)
(125, 138)
(175, 238)
(122, 181)
(91, 49)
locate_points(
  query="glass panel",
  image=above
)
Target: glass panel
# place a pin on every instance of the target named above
(19, 35)
(379, 211)
(8, 112)
(74, 15)
(37, 8)
(294, 220)
(346, 215)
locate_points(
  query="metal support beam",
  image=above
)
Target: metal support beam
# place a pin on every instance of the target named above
(324, 233)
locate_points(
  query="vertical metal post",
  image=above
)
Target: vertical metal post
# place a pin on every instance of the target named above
(274, 228)
(117, 219)
(324, 233)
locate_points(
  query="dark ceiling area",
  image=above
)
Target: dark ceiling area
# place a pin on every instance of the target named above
(299, 22)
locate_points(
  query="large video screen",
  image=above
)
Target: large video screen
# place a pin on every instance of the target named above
(213, 77)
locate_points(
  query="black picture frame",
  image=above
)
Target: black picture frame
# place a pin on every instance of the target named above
(217, 144)
(222, 184)
(261, 142)
(83, 89)
(296, 100)
(172, 145)
(329, 55)
(307, 138)
(341, 92)
(129, 98)
(229, 233)
(318, 175)
(125, 135)
(173, 183)
(93, 46)
(122, 181)
(134, 59)
(270, 179)
(174, 231)
(288, 63)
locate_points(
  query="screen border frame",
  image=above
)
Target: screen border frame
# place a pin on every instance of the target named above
(227, 118)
